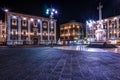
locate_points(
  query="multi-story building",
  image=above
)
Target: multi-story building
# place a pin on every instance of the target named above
(71, 32)
(111, 26)
(2, 32)
(27, 29)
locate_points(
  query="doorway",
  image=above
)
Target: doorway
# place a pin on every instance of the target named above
(35, 41)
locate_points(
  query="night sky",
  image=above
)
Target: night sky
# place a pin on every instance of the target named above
(79, 10)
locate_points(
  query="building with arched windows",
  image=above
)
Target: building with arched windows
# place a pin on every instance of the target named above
(27, 29)
(2, 33)
(111, 26)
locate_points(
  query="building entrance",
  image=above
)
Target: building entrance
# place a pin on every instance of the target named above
(35, 41)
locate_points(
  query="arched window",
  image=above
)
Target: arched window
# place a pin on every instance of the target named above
(14, 22)
(24, 23)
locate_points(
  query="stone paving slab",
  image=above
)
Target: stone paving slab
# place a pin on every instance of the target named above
(57, 64)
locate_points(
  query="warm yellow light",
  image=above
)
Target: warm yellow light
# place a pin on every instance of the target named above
(106, 20)
(68, 34)
(31, 19)
(69, 27)
(65, 27)
(31, 33)
(11, 32)
(114, 31)
(115, 18)
(73, 25)
(24, 18)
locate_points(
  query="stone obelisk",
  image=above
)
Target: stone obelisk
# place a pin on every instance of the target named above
(100, 14)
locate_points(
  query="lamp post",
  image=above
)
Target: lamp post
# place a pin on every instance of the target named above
(51, 12)
(6, 11)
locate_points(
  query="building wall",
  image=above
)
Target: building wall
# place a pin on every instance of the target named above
(2, 32)
(27, 29)
(112, 28)
(71, 31)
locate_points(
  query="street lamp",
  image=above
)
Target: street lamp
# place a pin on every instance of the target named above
(90, 24)
(51, 12)
(6, 11)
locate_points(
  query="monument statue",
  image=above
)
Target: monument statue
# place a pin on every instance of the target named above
(100, 33)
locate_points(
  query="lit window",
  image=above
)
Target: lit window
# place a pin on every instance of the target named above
(24, 18)
(52, 27)
(14, 22)
(106, 20)
(38, 20)
(31, 19)
(73, 26)
(35, 33)
(44, 26)
(24, 23)
(115, 18)
(14, 32)
(77, 26)
(3, 32)
(69, 27)
(35, 24)
(24, 33)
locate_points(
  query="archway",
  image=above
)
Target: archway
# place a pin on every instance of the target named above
(35, 41)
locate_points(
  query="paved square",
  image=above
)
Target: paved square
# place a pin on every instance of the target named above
(57, 64)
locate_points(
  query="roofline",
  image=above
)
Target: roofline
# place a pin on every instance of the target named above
(30, 16)
(70, 23)
(110, 17)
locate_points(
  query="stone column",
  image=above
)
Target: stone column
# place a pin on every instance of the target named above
(8, 27)
(19, 30)
(41, 30)
(29, 40)
(49, 26)
(55, 31)
(108, 30)
(100, 11)
(117, 28)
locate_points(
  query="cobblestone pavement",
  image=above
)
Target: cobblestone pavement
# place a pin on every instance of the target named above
(57, 64)
(81, 48)
(84, 48)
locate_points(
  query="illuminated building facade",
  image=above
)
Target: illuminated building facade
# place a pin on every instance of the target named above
(72, 31)
(111, 26)
(2, 32)
(27, 29)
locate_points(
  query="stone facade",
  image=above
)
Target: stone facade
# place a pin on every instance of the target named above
(71, 31)
(111, 26)
(27, 29)
(2, 32)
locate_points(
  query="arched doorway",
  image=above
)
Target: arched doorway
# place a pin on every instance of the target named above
(35, 41)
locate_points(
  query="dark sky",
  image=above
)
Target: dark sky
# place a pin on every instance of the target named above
(79, 10)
